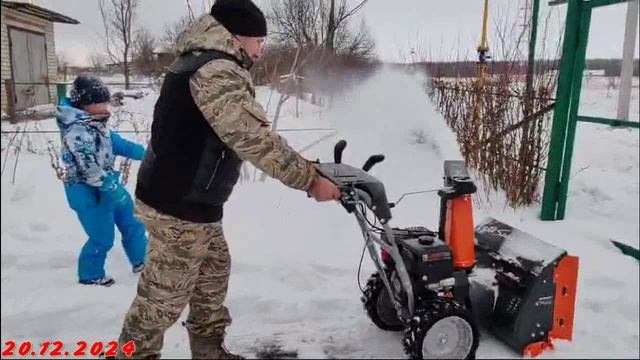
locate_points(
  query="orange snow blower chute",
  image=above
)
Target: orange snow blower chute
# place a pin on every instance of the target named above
(456, 214)
(530, 301)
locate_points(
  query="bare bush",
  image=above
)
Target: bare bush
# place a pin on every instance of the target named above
(502, 131)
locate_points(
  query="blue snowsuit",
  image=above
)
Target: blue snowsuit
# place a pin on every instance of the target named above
(94, 191)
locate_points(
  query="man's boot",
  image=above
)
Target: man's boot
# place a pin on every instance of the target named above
(209, 348)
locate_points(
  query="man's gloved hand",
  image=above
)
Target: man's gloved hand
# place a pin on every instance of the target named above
(112, 193)
(323, 189)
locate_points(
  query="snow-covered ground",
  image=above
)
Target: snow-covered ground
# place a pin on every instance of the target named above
(294, 261)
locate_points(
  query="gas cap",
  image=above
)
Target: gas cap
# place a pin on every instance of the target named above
(425, 240)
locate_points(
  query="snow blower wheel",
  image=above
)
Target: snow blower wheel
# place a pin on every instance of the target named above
(442, 330)
(378, 305)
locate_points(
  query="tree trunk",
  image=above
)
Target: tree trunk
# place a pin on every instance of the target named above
(331, 26)
(126, 68)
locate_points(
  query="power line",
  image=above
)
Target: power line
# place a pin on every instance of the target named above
(59, 83)
(142, 131)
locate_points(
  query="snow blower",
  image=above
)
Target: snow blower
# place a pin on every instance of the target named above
(441, 287)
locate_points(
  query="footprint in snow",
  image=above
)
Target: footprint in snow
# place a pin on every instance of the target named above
(274, 351)
(39, 227)
(594, 306)
(22, 193)
(328, 270)
(608, 283)
(338, 351)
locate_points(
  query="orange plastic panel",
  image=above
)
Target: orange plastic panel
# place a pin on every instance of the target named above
(566, 279)
(536, 348)
(459, 232)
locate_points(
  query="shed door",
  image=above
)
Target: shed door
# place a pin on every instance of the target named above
(29, 65)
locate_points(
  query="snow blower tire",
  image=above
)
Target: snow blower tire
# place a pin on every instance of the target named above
(378, 305)
(441, 329)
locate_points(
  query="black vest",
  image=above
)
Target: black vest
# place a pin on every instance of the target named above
(188, 172)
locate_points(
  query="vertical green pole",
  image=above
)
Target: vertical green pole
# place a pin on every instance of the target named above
(560, 115)
(578, 70)
(62, 92)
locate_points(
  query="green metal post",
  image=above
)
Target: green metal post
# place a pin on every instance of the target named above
(61, 91)
(578, 70)
(560, 116)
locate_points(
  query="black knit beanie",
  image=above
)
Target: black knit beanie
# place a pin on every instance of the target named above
(240, 17)
(87, 90)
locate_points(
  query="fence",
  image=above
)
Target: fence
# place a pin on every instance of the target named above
(29, 89)
(500, 132)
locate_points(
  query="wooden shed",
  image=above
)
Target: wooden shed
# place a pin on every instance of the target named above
(28, 55)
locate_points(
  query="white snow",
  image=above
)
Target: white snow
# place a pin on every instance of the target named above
(294, 261)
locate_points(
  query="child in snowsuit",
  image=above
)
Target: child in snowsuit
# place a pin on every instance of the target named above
(92, 186)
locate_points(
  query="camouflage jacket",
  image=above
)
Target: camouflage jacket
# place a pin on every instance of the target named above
(225, 94)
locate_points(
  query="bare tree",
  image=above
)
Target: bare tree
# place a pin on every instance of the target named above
(359, 44)
(143, 52)
(97, 61)
(206, 5)
(337, 19)
(172, 31)
(318, 23)
(118, 18)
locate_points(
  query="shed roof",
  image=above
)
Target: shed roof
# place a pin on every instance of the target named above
(39, 11)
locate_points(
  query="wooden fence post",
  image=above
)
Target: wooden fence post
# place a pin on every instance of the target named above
(11, 100)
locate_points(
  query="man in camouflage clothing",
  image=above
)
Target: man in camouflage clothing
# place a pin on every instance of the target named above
(206, 122)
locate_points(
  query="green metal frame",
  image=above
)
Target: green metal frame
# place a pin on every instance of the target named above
(627, 250)
(565, 117)
(612, 122)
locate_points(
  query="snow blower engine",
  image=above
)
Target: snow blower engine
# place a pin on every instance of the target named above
(441, 287)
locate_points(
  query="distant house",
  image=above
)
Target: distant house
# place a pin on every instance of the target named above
(115, 67)
(28, 54)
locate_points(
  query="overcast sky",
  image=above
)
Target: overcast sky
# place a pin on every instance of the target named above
(442, 29)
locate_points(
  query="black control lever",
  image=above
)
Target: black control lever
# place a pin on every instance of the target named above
(337, 151)
(374, 159)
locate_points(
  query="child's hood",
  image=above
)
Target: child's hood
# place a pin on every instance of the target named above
(67, 115)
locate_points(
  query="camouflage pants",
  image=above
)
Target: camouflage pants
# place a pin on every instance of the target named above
(188, 263)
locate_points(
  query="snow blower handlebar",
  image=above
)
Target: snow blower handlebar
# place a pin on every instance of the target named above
(358, 187)
(337, 151)
(356, 184)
